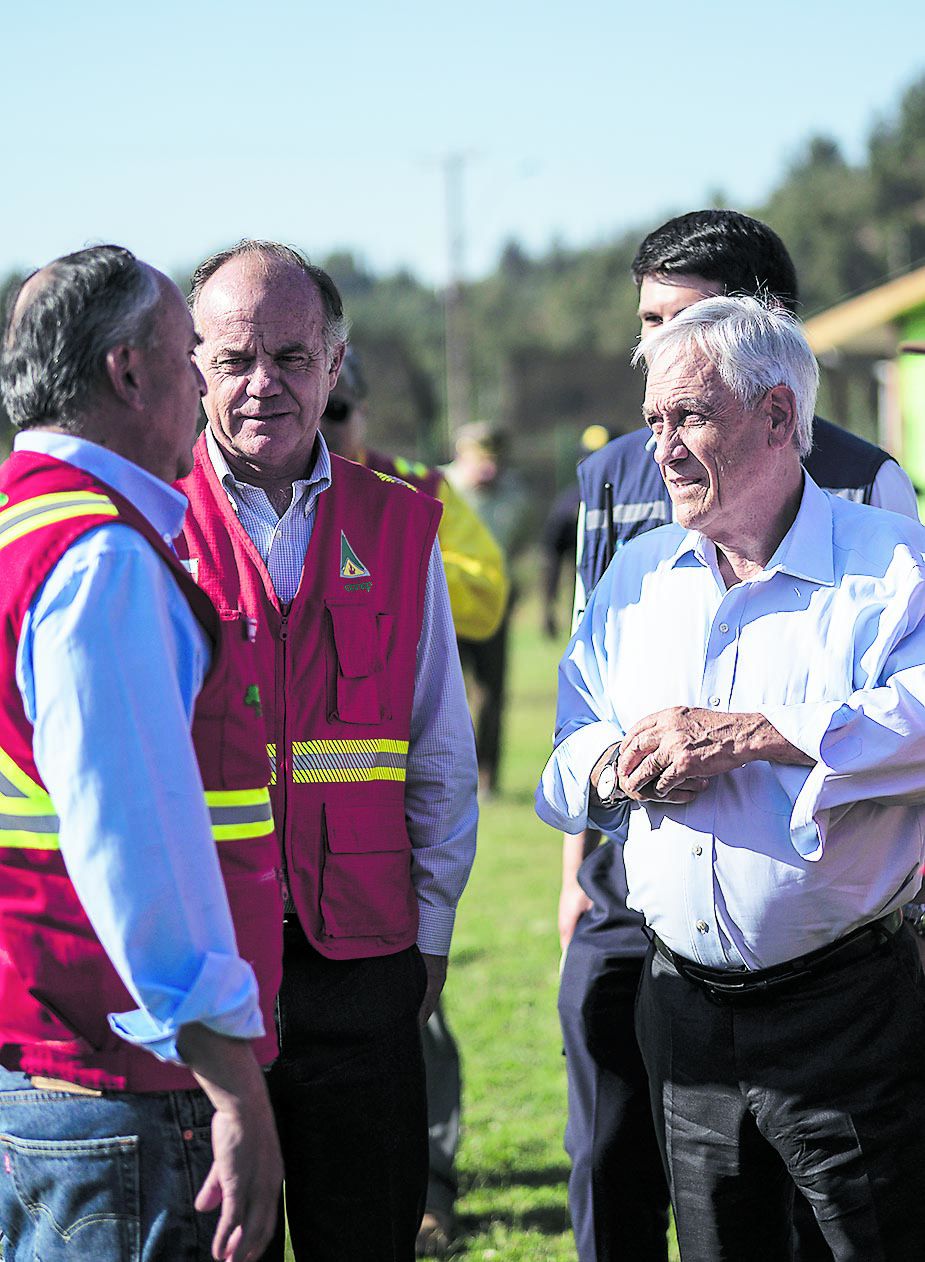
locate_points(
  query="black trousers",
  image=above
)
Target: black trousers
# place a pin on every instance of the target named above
(618, 1195)
(818, 1089)
(486, 661)
(350, 1102)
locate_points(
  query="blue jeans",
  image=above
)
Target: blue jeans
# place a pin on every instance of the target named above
(108, 1178)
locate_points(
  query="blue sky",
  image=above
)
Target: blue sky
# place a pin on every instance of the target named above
(177, 129)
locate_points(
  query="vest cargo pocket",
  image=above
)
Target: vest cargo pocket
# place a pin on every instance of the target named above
(360, 690)
(366, 889)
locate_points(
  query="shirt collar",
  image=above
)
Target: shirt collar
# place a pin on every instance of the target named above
(309, 488)
(804, 552)
(162, 505)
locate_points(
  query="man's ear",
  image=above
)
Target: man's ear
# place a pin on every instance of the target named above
(781, 414)
(123, 371)
(334, 367)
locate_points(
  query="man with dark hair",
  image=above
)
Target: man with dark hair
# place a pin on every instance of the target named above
(131, 1019)
(334, 572)
(745, 695)
(617, 1191)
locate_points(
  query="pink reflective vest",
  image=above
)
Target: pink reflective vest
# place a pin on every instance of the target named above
(56, 982)
(336, 668)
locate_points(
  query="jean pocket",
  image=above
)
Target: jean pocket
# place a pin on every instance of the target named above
(71, 1199)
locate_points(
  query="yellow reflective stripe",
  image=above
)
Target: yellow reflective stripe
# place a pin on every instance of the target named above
(237, 797)
(271, 754)
(237, 814)
(355, 761)
(48, 510)
(241, 832)
(15, 839)
(383, 745)
(337, 775)
(35, 808)
(15, 782)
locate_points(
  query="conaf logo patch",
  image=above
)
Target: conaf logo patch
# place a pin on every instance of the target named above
(350, 564)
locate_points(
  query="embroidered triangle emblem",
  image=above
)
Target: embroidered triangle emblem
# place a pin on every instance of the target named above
(350, 564)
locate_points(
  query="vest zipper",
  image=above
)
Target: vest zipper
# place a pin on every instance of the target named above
(283, 753)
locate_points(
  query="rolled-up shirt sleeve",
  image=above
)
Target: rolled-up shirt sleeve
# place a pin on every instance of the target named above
(871, 746)
(441, 791)
(109, 665)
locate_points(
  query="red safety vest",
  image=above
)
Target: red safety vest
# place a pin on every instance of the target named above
(337, 668)
(57, 985)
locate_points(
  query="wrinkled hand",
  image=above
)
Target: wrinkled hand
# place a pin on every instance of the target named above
(670, 755)
(247, 1168)
(245, 1179)
(436, 978)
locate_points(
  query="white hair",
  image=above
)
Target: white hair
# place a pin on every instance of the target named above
(754, 345)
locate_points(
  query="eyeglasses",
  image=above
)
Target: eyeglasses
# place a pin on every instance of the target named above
(337, 410)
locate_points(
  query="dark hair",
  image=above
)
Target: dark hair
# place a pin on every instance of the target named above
(742, 254)
(53, 356)
(336, 325)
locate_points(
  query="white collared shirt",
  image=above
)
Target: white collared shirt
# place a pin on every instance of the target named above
(828, 643)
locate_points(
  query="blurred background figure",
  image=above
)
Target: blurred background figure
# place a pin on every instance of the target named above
(477, 581)
(559, 536)
(483, 477)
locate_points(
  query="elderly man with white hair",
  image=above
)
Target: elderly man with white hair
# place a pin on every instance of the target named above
(748, 683)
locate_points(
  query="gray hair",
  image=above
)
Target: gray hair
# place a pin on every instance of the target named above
(753, 345)
(336, 325)
(53, 357)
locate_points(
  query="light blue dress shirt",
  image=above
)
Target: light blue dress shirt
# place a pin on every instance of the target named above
(109, 665)
(828, 643)
(441, 786)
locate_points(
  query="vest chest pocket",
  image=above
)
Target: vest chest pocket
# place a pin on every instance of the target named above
(366, 888)
(360, 692)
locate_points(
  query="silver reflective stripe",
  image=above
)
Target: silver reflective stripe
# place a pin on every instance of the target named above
(8, 789)
(353, 760)
(255, 814)
(29, 824)
(626, 514)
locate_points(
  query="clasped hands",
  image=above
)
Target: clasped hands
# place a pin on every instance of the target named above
(671, 755)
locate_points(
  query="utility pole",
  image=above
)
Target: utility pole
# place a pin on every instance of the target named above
(456, 331)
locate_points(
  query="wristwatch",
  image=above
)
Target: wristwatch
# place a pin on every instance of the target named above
(914, 916)
(607, 791)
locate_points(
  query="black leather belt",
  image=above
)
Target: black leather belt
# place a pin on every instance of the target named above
(724, 985)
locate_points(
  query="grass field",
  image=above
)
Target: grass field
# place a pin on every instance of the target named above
(501, 995)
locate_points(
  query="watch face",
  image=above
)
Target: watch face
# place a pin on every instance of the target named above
(606, 782)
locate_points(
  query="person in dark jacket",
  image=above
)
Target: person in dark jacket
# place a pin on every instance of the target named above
(618, 1196)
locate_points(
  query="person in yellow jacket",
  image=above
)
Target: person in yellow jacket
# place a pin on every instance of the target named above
(476, 574)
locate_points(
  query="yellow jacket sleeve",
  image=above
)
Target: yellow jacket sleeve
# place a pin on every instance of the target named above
(475, 571)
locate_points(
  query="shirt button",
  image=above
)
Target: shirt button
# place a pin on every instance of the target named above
(702, 926)
(714, 701)
(724, 627)
(697, 850)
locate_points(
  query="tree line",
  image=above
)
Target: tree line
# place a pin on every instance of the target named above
(847, 226)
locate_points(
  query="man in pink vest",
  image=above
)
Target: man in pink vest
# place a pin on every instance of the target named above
(335, 571)
(136, 986)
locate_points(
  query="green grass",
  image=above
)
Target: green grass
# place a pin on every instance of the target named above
(501, 995)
